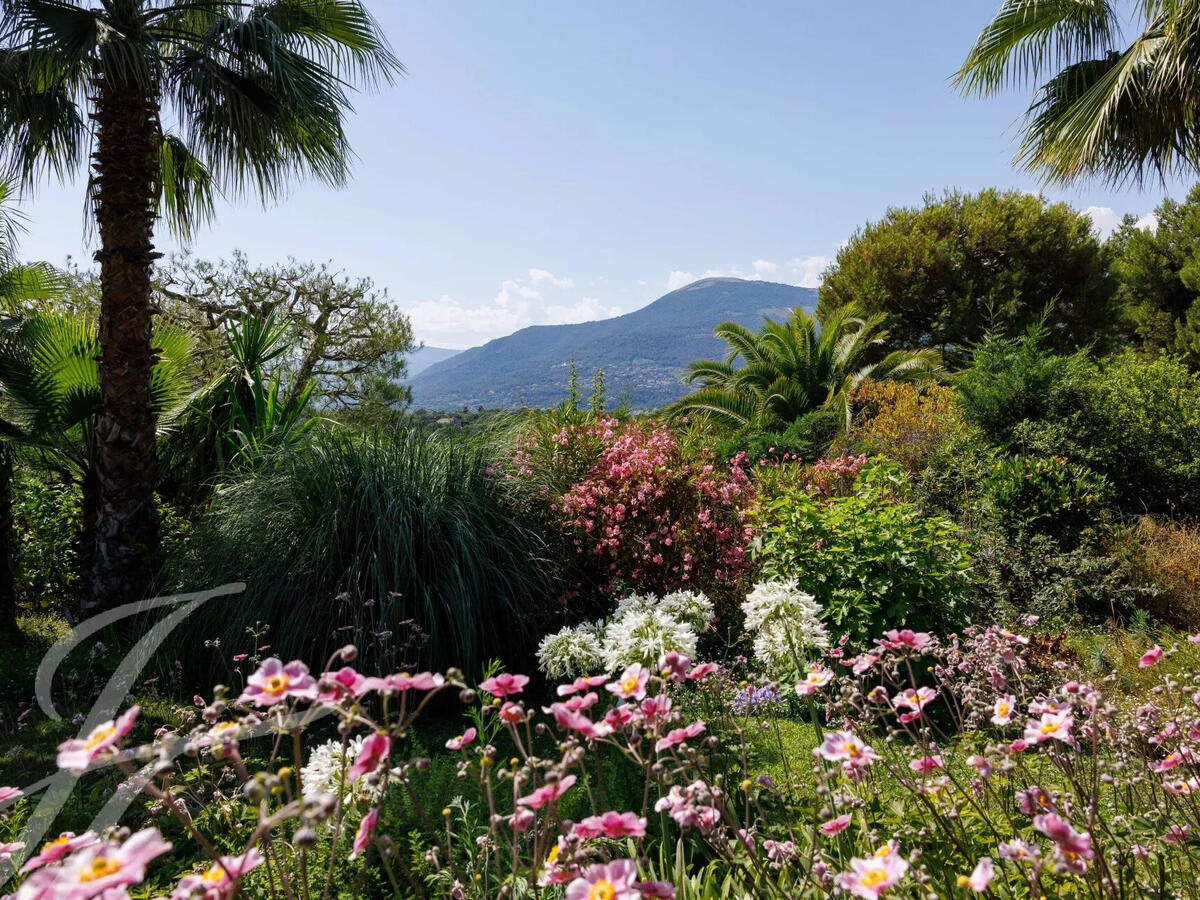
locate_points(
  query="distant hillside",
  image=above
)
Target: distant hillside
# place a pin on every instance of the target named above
(642, 353)
(420, 360)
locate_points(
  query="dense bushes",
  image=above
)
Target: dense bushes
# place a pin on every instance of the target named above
(870, 558)
(905, 422)
(372, 531)
(1167, 556)
(634, 510)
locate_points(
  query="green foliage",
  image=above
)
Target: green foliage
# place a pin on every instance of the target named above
(945, 274)
(805, 439)
(376, 530)
(47, 522)
(1136, 421)
(1046, 496)
(873, 559)
(790, 369)
(1010, 382)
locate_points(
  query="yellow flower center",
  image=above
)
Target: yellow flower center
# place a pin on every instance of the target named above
(1048, 727)
(603, 889)
(214, 874)
(629, 684)
(873, 878)
(101, 734)
(885, 850)
(1002, 709)
(101, 867)
(276, 684)
(57, 842)
(553, 855)
(851, 750)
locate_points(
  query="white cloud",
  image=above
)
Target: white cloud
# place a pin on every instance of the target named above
(1107, 220)
(802, 271)
(537, 276)
(448, 322)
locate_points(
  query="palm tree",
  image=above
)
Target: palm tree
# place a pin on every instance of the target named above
(1122, 111)
(170, 100)
(788, 369)
(20, 286)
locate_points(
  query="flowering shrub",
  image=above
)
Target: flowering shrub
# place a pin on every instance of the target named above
(640, 513)
(903, 421)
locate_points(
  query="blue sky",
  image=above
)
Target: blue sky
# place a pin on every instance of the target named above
(552, 161)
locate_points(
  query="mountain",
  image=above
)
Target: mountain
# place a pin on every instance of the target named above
(642, 353)
(424, 357)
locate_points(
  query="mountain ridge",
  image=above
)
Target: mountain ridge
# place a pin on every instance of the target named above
(642, 353)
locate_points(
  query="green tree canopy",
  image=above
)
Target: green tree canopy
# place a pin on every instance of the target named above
(1158, 272)
(947, 272)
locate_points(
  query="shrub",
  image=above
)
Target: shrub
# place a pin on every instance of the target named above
(1167, 556)
(382, 529)
(1047, 496)
(46, 520)
(644, 516)
(1010, 381)
(807, 439)
(1135, 420)
(903, 421)
(868, 558)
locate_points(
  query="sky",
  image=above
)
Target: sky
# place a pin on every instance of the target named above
(546, 162)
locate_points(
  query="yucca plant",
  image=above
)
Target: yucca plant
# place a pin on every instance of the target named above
(772, 377)
(364, 533)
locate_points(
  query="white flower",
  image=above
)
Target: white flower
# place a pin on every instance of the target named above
(635, 603)
(572, 652)
(689, 607)
(786, 623)
(643, 636)
(323, 773)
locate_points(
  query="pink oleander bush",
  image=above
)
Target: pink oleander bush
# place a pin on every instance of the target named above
(635, 511)
(934, 767)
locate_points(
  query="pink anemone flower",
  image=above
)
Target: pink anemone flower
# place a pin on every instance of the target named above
(77, 754)
(275, 682)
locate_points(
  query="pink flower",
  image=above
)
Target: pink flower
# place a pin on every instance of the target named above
(547, 793)
(913, 640)
(656, 890)
(914, 699)
(846, 748)
(511, 713)
(818, 676)
(620, 716)
(54, 850)
(1194, 638)
(836, 826)
(79, 753)
(1051, 726)
(926, 764)
(7, 850)
(614, 881)
(1034, 801)
(345, 682)
(577, 721)
(274, 682)
(9, 793)
(674, 665)
(99, 868)
(632, 683)
(678, 736)
(457, 743)
(979, 880)
(581, 684)
(362, 837)
(870, 877)
(405, 681)
(1073, 848)
(1151, 657)
(982, 766)
(376, 748)
(1002, 712)
(218, 880)
(702, 670)
(504, 684)
(521, 819)
(611, 825)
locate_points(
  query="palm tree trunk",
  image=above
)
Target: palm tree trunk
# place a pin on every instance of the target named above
(8, 592)
(126, 176)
